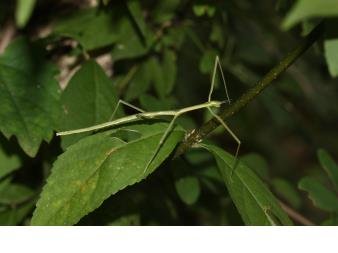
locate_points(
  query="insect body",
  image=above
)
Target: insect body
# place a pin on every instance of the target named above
(174, 113)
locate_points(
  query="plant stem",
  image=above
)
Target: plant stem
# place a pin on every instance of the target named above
(295, 215)
(200, 133)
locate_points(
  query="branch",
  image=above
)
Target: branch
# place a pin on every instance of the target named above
(295, 215)
(7, 35)
(199, 134)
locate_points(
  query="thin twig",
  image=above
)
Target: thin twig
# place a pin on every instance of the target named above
(295, 215)
(7, 35)
(199, 134)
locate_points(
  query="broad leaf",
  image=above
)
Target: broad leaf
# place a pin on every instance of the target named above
(258, 164)
(331, 52)
(115, 27)
(255, 203)
(188, 189)
(319, 194)
(305, 9)
(329, 165)
(29, 95)
(88, 99)
(83, 26)
(95, 168)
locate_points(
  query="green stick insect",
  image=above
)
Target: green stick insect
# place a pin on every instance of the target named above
(174, 113)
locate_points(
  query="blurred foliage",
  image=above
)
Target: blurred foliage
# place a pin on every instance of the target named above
(68, 62)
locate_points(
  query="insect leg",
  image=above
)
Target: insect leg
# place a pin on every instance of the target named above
(227, 128)
(126, 104)
(218, 64)
(162, 140)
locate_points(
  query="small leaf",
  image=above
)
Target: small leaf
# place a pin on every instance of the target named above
(127, 220)
(97, 167)
(188, 189)
(329, 165)
(88, 99)
(140, 83)
(164, 73)
(13, 194)
(169, 70)
(255, 203)
(94, 28)
(29, 95)
(8, 163)
(165, 10)
(135, 10)
(319, 194)
(199, 10)
(305, 9)
(129, 46)
(287, 191)
(331, 53)
(12, 216)
(24, 10)
(207, 61)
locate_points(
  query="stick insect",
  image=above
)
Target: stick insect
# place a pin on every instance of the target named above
(174, 113)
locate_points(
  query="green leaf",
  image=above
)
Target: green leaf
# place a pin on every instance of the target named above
(129, 46)
(94, 28)
(164, 73)
(169, 70)
(188, 189)
(133, 42)
(127, 220)
(331, 52)
(202, 9)
(258, 164)
(141, 81)
(151, 103)
(332, 221)
(88, 99)
(23, 11)
(13, 194)
(135, 10)
(207, 61)
(287, 191)
(14, 215)
(319, 194)
(329, 165)
(97, 167)
(29, 95)
(305, 9)
(255, 203)
(156, 76)
(165, 10)
(8, 163)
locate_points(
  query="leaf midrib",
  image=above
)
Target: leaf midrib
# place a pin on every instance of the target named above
(248, 189)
